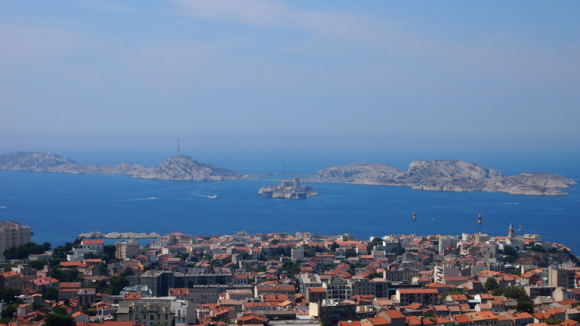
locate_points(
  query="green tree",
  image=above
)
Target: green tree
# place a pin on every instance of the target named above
(350, 253)
(514, 292)
(64, 274)
(100, 287)
(90, 255)
(36, 306)
(117, 283)
(24, 250)
(103, 270)
(50, 294)
(525, 306)
(398, 250)
(8, 267)
(110, 250)
(8, 295)
(59, 320)
(507, 250)
(59, 310)
(105, 258)
(312, 252)
(9, 311)
(37, 264)
(90, 312)
(490, 284)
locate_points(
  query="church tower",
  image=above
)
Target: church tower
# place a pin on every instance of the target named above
(511, 233)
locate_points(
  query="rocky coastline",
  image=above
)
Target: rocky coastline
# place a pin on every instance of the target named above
(179, 167)
(438, 175)
(118, 235)
(448, 175)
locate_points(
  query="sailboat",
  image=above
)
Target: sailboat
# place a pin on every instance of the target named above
(520, 229)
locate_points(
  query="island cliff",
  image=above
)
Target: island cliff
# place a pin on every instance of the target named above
(179, 167)
(289, 190)
(447, 175)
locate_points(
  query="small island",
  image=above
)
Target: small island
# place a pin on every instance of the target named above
(290, 189)
(118, 235)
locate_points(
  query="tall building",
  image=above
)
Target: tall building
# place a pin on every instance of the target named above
(158, 281)
(13, 234)
(127, 249)
(158, 311)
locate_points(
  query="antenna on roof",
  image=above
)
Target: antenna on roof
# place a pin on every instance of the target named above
(178, 146)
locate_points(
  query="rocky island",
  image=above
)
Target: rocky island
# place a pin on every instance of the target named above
(288, 189)
(179, 167)
(118, 235)
(447, 175)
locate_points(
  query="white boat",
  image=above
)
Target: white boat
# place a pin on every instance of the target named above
(214, 197)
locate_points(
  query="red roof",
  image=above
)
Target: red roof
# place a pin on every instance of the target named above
(93, 242)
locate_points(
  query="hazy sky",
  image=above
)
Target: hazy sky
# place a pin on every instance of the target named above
(260, 74)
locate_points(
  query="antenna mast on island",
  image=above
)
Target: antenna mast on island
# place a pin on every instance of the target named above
(177, 146)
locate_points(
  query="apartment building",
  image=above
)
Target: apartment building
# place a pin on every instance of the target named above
(157, 311)
(158, 281)
(13, 234)
(127, 249)
(422, 296)
(331, 311)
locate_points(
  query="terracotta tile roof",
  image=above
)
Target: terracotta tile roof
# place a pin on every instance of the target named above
(378, 321)
(93, 242)
(394, 314)
(462, 319)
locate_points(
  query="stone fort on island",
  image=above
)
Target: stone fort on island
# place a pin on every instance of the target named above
(290, 189)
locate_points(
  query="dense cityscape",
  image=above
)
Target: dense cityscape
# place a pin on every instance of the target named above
(282, 278)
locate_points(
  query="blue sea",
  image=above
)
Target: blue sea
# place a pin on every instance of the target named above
(60, 206)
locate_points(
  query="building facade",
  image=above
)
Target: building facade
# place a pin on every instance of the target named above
(13, 234)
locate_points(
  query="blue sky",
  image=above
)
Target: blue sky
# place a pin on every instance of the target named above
(313, 74)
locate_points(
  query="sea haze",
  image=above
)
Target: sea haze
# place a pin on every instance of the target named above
(60, 206)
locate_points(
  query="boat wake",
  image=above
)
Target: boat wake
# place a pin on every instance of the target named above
(509, 203)
(2, 206)
(137, 199)
(204, 196)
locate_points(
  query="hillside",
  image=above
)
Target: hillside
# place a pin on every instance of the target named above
(175, 168)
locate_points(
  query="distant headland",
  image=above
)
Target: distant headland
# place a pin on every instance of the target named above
(118, 235)
(179, 167)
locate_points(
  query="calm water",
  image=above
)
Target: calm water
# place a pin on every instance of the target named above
(60, 206)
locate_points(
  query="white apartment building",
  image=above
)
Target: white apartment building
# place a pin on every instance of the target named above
(13, 234)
